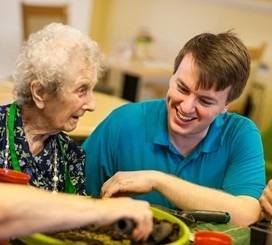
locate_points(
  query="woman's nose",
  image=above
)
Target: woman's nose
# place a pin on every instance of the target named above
(89, 105)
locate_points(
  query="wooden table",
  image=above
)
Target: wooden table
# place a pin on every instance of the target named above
(104, 105)
(6, 94)
(137, 80)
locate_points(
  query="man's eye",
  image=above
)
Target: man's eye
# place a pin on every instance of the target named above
(205, 102)
(183, 90)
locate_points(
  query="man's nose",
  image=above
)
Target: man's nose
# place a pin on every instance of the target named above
(188, 104)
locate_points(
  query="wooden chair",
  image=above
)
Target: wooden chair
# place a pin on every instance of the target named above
(267, 145)
(256, 53)
(35, 17)
(240, 105)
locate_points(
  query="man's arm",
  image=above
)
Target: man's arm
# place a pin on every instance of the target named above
(244, 210)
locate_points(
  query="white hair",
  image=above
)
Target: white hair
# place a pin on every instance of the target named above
(47, 55)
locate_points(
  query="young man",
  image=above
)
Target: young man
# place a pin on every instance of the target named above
(187, 151)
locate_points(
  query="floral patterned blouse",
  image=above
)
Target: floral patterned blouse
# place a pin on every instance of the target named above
(40, 167)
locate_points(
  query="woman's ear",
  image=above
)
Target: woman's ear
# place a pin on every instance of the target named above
(38, 93)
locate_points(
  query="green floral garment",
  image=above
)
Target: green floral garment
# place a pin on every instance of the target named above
(40, 167)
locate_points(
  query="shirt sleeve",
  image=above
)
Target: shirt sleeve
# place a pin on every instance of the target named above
(99, 158)
(246, 170)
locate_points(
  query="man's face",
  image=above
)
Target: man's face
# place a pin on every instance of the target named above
(191, 110)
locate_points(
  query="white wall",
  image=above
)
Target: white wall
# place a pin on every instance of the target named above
(11, 35)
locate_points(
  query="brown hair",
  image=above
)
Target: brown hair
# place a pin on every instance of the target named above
(222, 60)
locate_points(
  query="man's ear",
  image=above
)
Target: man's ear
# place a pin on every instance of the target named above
(38, 93)
(225, 108)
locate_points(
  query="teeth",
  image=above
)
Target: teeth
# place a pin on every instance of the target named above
(184, 117)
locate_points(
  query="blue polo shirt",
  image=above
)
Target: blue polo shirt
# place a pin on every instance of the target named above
(135, 137)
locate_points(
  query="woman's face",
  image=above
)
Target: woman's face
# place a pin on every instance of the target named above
(191, 110)
(62, 113)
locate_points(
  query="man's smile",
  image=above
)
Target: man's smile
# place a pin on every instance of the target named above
(183, 117)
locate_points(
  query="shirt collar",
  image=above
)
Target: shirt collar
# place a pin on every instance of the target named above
(161, 135)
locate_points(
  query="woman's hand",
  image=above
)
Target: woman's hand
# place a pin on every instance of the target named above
(113, 209)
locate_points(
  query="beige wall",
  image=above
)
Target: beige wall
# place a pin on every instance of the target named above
(173, 22)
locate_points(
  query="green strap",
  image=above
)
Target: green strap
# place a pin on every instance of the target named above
(69, 187)
(11, 138)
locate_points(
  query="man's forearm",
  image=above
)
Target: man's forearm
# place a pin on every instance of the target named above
(244, 210)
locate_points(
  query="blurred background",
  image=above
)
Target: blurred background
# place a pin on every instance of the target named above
(141, 39)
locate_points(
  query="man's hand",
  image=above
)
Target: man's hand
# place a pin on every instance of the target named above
(126, 183)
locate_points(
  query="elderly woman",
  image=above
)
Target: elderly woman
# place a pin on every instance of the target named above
(56, 72)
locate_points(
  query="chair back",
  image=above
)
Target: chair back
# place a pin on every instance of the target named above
(267, 145)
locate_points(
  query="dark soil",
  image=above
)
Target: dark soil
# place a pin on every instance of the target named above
(109, 235)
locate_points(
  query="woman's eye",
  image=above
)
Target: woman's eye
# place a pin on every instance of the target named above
(82, 91)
